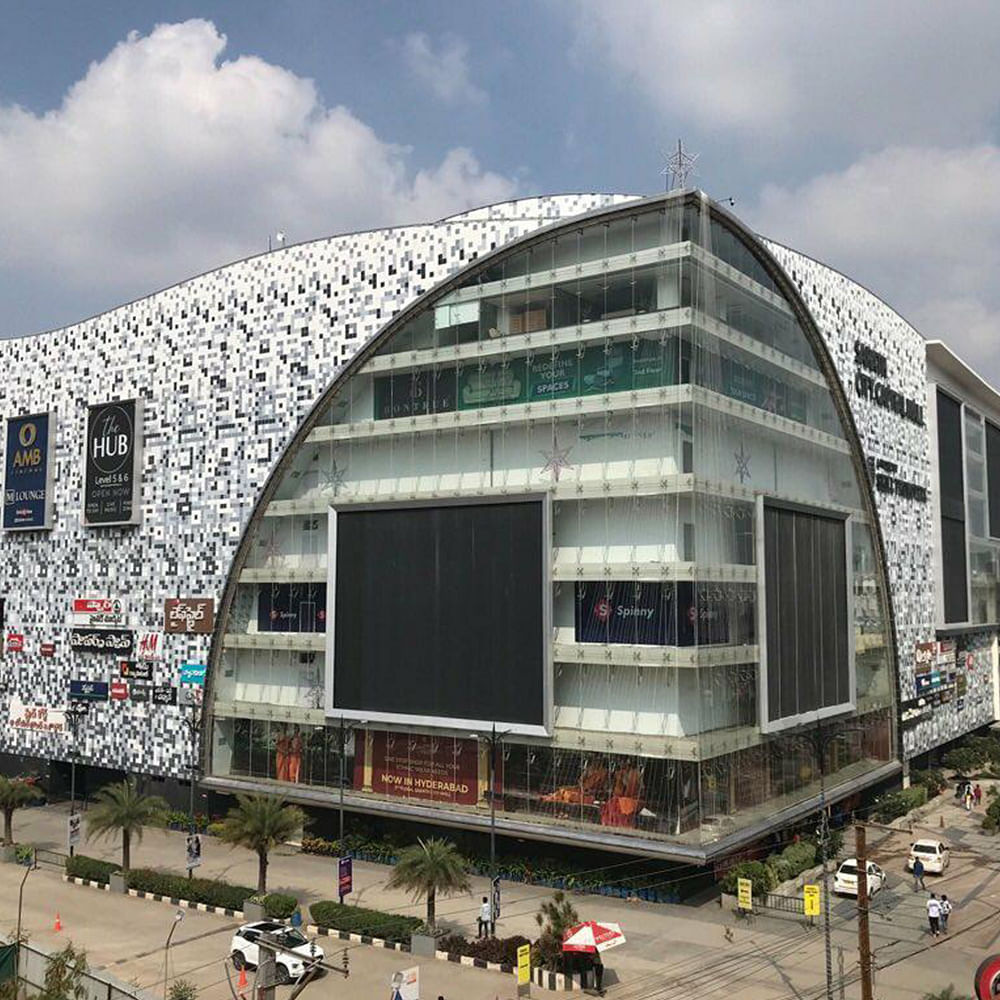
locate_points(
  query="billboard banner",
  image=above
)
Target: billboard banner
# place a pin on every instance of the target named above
(88, 690)
(36, 718)
(98, 611)
(150, 646)
(291, 607)
(189, 614)
(102, 640)
(27, 483)
(137, 670)
(414, 766)
(112, 464)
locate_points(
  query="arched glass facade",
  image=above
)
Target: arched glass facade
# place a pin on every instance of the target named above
(711, 585)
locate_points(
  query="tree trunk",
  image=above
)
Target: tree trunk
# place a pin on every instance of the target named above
(262, 871)
(8, 826)
(430, 909)
(126, 851)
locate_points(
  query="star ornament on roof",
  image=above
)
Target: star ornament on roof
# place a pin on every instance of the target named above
(333, 479)
(556, 459)
(680, 166)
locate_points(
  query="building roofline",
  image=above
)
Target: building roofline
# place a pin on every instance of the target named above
(942, 357)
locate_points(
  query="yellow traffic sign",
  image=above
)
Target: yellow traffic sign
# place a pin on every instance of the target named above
(744, 894)
(810, 896)
(523, 964)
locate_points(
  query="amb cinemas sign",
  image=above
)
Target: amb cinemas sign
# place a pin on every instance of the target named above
(112, 462)
(27, 493)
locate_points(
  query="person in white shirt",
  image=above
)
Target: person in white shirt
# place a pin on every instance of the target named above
(485, 918)
(946, 909)
(934, 914)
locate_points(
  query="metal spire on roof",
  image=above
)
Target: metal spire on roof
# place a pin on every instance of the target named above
(680, 166)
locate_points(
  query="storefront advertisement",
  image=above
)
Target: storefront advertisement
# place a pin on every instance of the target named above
(36, 718)
(98, 611)
(112, 464)
(102, 640)
(291, 607)
(27, 495)
(149, 646)
(189, 614)
(141, 670)
(412, 394)
(435, 768)
(80, 690)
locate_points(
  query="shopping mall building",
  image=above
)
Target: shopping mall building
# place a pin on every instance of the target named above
(674, 517)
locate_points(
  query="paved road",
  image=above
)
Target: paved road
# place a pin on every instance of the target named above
(672, 951)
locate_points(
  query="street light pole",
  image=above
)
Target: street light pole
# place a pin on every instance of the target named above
(824, 828)
(75, 712)
(194, 727)
(17, 940)
(178, 917)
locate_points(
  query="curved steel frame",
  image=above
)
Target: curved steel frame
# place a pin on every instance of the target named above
(774, 270)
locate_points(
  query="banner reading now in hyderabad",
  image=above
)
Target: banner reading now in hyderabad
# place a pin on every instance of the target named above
(436, 768)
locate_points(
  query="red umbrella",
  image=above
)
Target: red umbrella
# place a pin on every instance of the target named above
(592, 936)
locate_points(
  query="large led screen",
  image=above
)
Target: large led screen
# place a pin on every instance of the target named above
(440, 613)
(808, 671)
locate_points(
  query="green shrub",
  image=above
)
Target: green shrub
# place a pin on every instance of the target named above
(182, 989)
(317, 845)
(963, 760)
(793, 860)
(933, 780)
(357, 920)
(760, 874)
(991, 822)
(279, 905)
(198, 890)
(80, 866)
(501, 950)
(215, 829)
(896, 804)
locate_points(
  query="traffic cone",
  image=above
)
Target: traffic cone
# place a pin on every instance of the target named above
(242, 981)
(58, 924)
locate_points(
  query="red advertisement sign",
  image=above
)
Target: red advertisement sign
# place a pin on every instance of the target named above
(438, 768)
(47, 649)
(96, 606)
(15, 642)
(119, 691)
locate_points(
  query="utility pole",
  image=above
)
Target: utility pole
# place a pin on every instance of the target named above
(75, 712)
(864, 942)
(819, 748)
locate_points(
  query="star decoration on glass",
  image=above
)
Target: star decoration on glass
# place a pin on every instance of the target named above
(272, 549)
(556, 459)
(333, 478)
(680, 166)
(742, 463)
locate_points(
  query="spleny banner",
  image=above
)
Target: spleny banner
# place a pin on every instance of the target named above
(437, 768)
(112, 462)
(27, 493)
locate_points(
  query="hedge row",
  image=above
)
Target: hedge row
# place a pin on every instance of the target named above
(896, 804)
(356, 920)
(211, 892)
(502, 950)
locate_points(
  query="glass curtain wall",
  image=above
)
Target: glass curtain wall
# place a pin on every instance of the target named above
(646, 372)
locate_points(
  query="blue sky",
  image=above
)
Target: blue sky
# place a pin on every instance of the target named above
(143, 142)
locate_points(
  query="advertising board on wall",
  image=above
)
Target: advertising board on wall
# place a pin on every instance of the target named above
(414, 766)
(149, 646)
(35, 718)
(189, 614)
(98, 611)
(291, 607)
(102, 640)
(112, 464)
(80, 690)
(27, 483)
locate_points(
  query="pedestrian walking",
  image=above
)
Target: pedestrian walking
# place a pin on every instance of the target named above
(485, 918)
(918, 875)
(959, 791)
(934, 914)
(969, 798)
(977, 795)
(946, 909)
(598, 973)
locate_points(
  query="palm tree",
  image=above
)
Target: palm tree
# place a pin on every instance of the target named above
(15, 793)
(122, 807)
(555, 916)
(259, 823)
(427, 868)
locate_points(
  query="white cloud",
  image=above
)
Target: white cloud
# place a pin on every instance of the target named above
(164, 160)
(806, 71)
(919, 226)
(445, 71)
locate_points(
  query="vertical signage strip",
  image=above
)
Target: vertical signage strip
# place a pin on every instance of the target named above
(27, 481)
(112, 464)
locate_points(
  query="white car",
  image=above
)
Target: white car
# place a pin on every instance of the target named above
(296, 952)
(933, 853)
(846, 882)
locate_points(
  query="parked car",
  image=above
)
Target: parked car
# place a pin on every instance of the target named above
(297, 952)
(846, 881)
(933, 853)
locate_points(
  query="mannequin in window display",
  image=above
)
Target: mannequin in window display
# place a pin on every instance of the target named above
(295, 756)
(622, 809)
(282, 746)
(591, 787)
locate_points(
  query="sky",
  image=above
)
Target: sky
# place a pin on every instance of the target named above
(142, 143)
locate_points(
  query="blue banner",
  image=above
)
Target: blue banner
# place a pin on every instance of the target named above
(88, 690)
(27, 491)
(193, 673)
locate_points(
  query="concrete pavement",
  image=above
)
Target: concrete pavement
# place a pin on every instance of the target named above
(672, 951)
